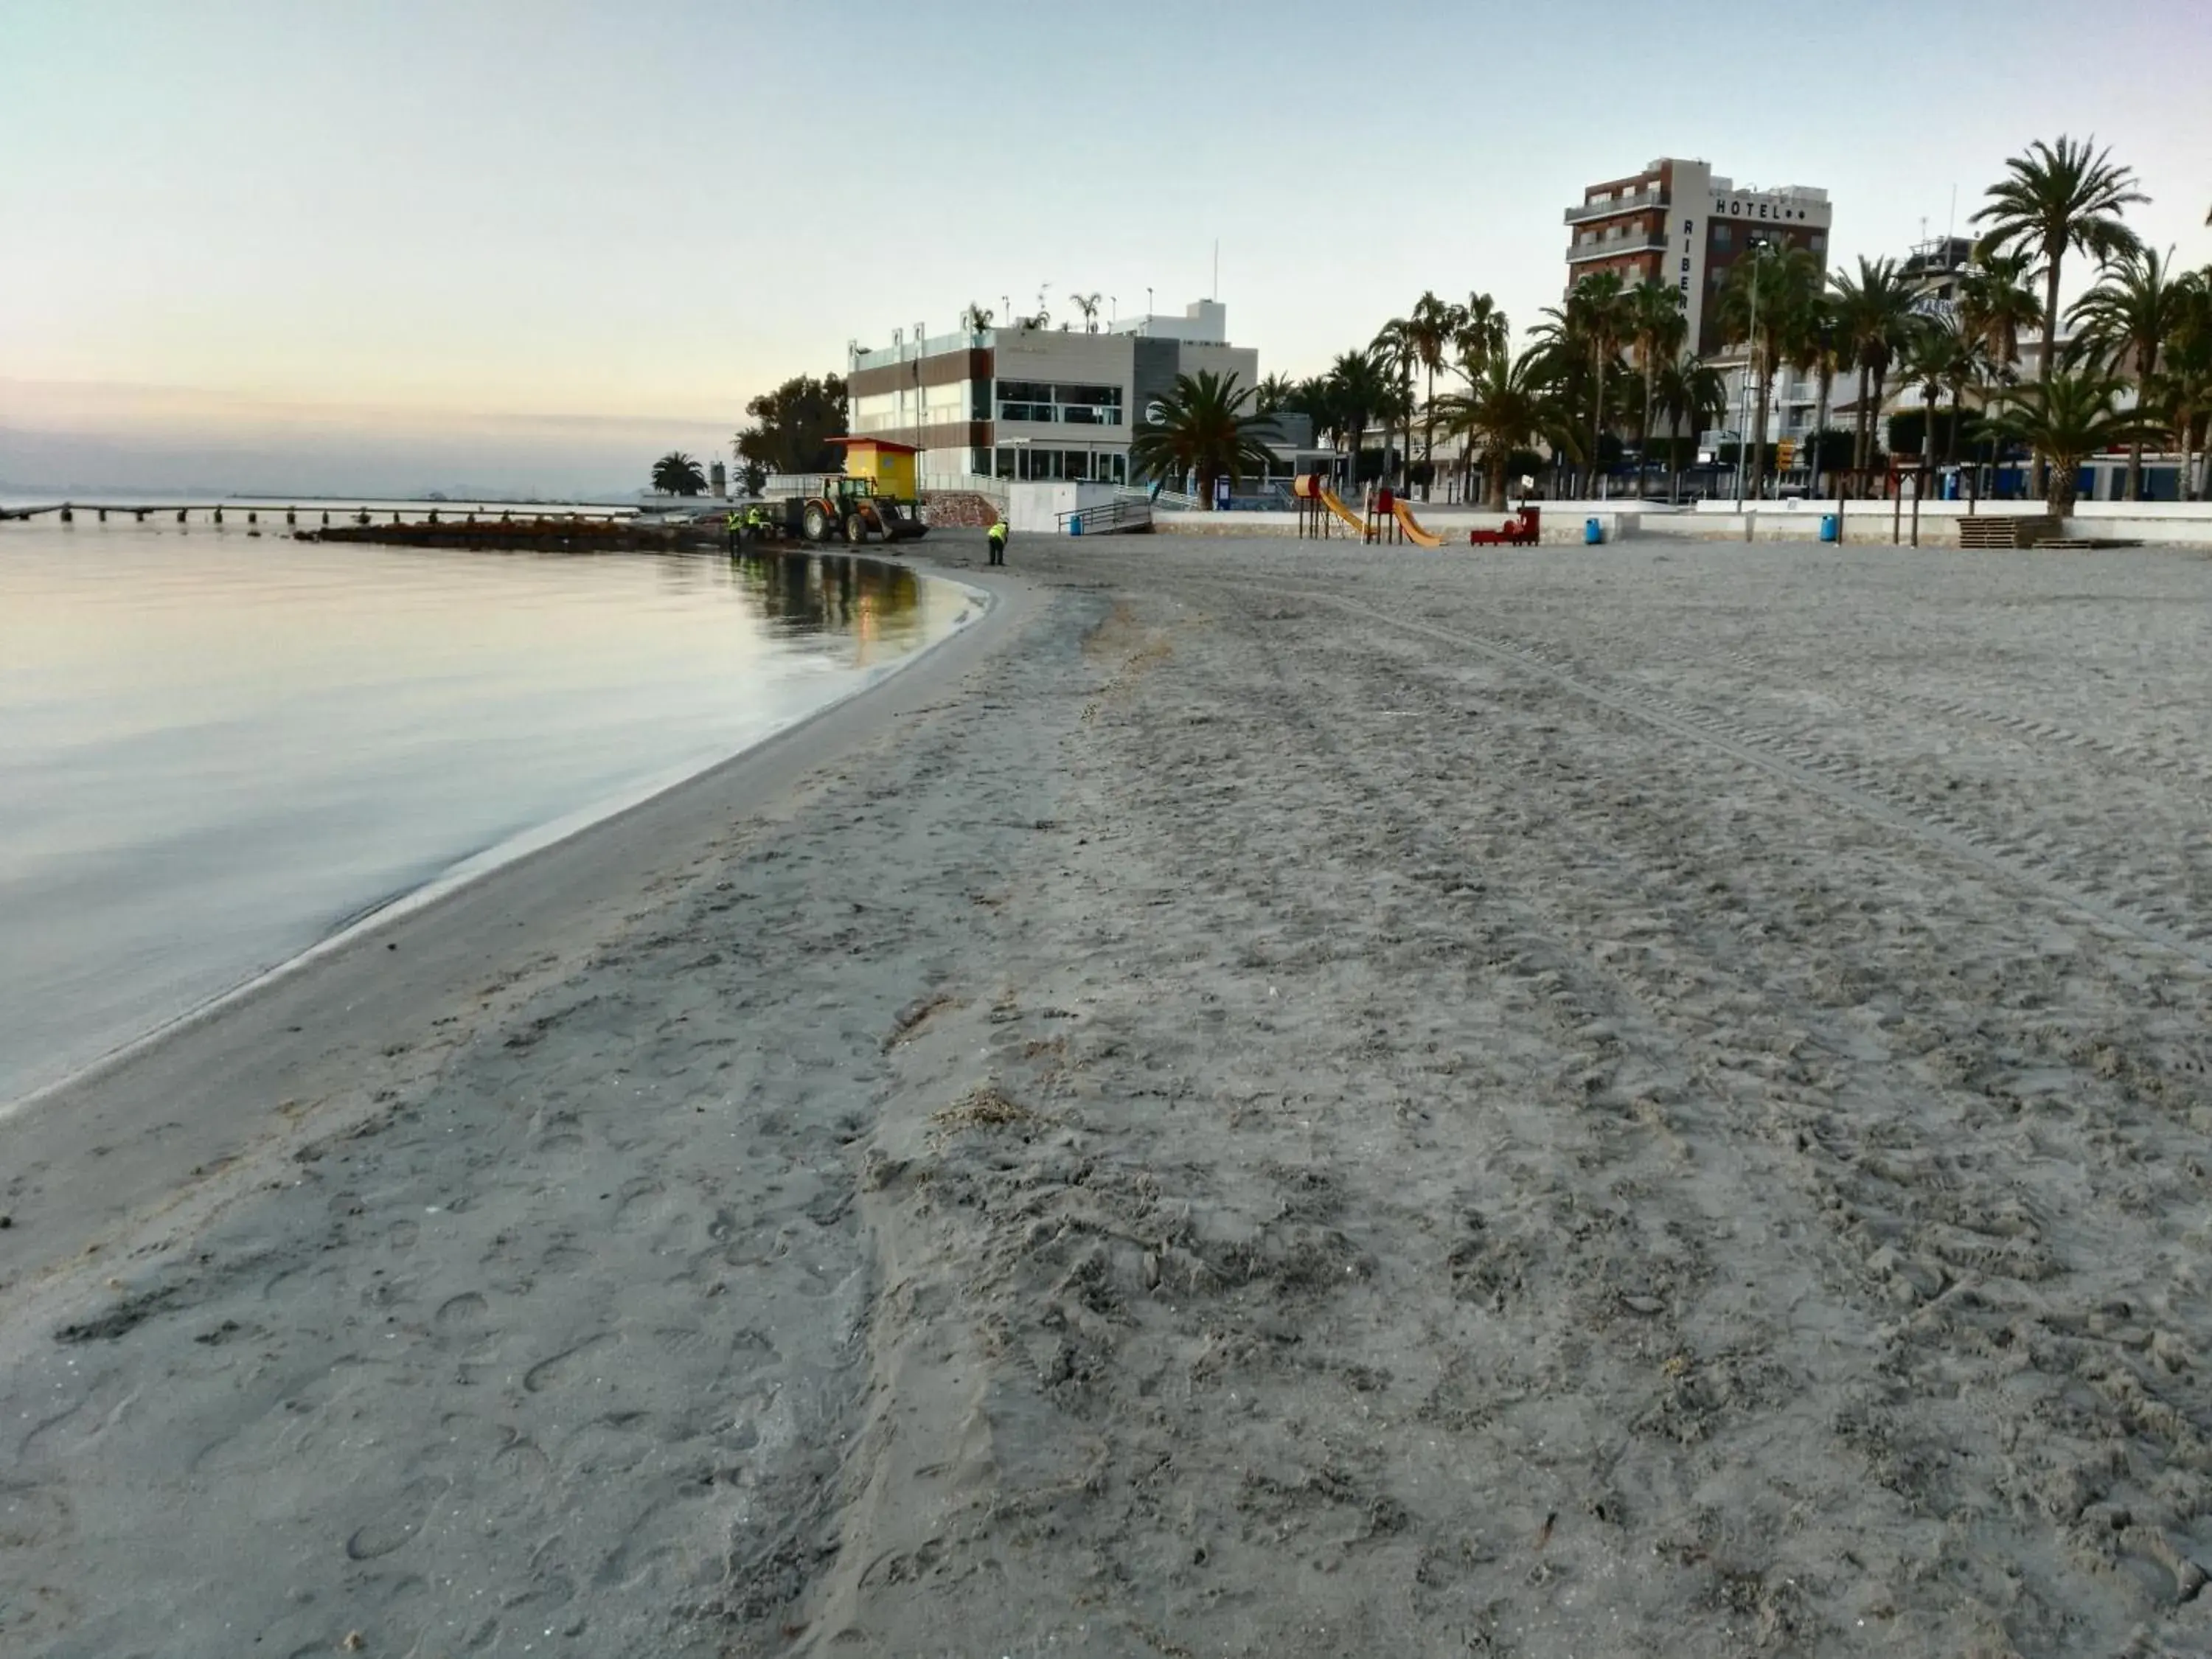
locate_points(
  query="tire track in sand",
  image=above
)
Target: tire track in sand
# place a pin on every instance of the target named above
(1850, 785)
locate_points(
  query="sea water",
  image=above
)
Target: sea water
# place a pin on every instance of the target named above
(218, 749)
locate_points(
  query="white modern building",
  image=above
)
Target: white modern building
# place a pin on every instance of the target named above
(1034, 404)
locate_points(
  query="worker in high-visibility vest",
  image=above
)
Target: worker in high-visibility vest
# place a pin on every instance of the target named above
(998, 540)
(735, 524)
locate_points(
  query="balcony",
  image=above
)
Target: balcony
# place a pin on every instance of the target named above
(1654, 196)
(1613, 248)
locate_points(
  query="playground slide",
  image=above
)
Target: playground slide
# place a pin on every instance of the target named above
(1329, 501)
(1411, 526)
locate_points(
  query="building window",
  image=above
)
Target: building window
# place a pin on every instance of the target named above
(1724, 235)
(1817, 242)
(1047, 402)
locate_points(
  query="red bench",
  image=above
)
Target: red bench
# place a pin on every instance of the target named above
(1519, 530)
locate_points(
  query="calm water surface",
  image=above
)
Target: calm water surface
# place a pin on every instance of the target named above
(217, 750)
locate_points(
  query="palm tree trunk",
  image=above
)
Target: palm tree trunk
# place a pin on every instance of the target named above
(1859, 433)
(1674, 457)
(1644, 432)
(1428, 439)
(1873, 415)
(2134, 471)
(1597, 428)
(1820, 429)
(2042, 370)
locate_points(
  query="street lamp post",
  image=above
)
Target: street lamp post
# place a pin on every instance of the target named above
(1750, 373)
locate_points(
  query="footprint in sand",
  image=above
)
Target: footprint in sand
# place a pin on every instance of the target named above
(567, 1367)
(462, 1314)
(401, 1520)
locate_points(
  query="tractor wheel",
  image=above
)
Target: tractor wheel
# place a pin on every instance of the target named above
(817, 522)
(856, 529)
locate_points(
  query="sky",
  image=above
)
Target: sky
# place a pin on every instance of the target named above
(529, 246)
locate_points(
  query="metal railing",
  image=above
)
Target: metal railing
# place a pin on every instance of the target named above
(1643, 198)
(1121, 515)
(1653, 242)
(972, 484)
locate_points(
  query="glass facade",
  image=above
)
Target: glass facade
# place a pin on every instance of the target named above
(1031, 462)
(1053, 402)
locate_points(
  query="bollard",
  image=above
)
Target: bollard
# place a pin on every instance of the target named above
(291, 516)
(253, 518)
(434, 515)
(68, 517)
(103, 515)
(142, 515)
(326, 516)
(180, 515)
(218, 515)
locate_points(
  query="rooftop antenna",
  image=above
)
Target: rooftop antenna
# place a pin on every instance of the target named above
(1215, 294)
(1951, 224)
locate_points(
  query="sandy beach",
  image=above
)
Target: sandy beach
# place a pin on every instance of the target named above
(1642, 1100)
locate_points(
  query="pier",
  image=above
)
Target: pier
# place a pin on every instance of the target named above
(318, 514)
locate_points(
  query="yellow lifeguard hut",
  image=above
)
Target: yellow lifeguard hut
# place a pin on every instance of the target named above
(885, 468)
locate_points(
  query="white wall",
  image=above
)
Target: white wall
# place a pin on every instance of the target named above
(1034, 509)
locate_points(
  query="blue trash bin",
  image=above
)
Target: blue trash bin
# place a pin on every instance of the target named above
(1829, 525)
(1075, 523)
(1593, 532)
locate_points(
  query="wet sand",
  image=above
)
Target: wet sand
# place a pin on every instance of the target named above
(1640, 1100)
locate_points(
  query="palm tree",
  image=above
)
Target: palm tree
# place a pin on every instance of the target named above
(1480, 331)
(2065, 419)
(1200, 429)
(1357, 388)
(1657, 328)
(1512, 405)
(1397, 346)
(1996, 302)
(2183, 385)
(1690, 390)
(1773, 291)
(1968, 367)
(976, 318)
(1931, 351)
(1087, 305)
(1815, 347)
(1590, 325)
(1875, 310)
(2129, 315)
(2054, 199)
(1428, 331)
(1315, 398)
(677, 474)
(1273, 394)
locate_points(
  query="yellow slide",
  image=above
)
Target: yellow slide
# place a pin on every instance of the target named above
(1329, 501)
(1411, 526)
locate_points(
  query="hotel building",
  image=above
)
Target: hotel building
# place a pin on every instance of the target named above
(1678, 221)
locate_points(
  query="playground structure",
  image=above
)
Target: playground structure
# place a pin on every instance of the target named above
(1387, 517)
(1522, 530)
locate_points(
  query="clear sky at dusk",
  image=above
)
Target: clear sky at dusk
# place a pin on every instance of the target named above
(536, 243)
